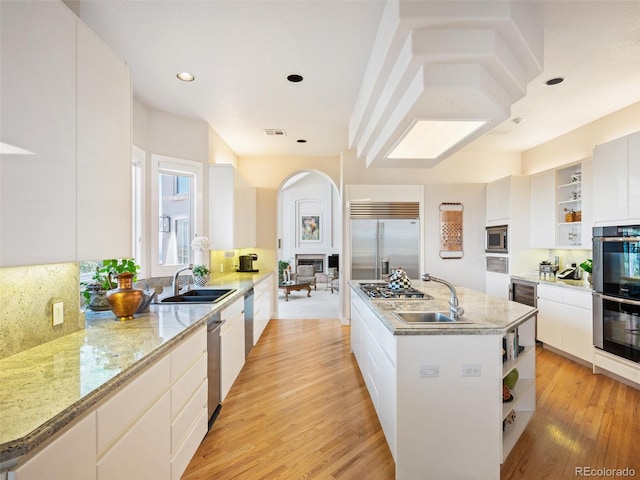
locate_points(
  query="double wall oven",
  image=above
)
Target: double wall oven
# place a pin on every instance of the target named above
(616, 285)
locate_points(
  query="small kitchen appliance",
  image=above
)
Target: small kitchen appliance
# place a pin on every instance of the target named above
(570, 273)
(496, 239)
(246, 262)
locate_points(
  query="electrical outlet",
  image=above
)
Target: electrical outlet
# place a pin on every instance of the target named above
(471, 371)
(58, 313)
(427, 371)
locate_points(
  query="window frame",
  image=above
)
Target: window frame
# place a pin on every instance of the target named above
(172, 165)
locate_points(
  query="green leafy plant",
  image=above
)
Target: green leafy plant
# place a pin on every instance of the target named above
(282, 266)
(587, 265)
(200, 270)
(100, 280)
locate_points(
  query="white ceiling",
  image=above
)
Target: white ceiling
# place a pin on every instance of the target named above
(241, 52)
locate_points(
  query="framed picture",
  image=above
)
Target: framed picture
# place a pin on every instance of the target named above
(310, 228)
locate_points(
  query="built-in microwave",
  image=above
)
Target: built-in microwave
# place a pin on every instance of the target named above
(496, 239)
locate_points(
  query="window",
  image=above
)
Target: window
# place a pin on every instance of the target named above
(176, 191)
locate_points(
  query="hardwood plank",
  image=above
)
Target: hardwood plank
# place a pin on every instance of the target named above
(300, 410)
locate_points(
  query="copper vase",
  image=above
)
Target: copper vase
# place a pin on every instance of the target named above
(124, 300)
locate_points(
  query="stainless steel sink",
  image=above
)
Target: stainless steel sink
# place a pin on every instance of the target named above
(204, 295)
(428, 317)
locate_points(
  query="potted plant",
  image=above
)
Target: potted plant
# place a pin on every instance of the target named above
(587, 266)
(282, 266)
(94, 291)
(200, 275)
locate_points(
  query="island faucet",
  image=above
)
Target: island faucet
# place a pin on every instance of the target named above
(455, 309)
(176, 287)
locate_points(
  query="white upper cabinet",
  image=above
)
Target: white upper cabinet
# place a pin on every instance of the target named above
(543, 207)
(498, 197)
(38, 188)
(104, 151)
(66, 101)
(616, 180)
(232, 209)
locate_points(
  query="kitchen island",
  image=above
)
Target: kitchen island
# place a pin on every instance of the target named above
(51, 389)
(437, 388)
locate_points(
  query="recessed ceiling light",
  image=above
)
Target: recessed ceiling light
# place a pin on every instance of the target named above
(185, 77)
(554, 81)
(295, 78)
(301, 140)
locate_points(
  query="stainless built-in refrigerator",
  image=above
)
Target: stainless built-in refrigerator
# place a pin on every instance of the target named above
(380, 245)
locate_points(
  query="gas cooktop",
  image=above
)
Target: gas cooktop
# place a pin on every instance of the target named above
(382, 290)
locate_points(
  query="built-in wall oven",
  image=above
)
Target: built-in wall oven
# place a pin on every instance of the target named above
(616, 285)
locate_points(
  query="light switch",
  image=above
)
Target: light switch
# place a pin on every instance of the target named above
(427, 371)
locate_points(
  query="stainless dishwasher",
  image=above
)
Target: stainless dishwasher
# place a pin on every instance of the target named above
(213, 367)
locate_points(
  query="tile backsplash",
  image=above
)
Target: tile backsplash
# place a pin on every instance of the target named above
(27, 295)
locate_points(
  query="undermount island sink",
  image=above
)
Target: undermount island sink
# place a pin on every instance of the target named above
(428, 317)
(204, 295)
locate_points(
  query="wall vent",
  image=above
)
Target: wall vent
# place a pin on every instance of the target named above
(384, 210)
(275, 131)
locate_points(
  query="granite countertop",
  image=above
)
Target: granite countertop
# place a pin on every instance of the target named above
(46, 387)
(487, 315)
(582, 284)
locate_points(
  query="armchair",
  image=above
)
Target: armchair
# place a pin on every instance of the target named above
(306, 273)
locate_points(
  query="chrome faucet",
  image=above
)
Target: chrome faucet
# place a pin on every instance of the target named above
(176, 287)
(455, 309)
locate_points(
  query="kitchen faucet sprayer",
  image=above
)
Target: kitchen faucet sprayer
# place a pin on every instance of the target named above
(176, 285)
(454, 309)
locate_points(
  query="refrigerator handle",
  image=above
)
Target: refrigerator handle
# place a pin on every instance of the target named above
(379, 250)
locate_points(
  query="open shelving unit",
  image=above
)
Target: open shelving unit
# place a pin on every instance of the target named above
(569, 203)
(524, 393)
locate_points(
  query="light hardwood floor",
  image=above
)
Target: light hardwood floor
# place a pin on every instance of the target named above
(300, 410)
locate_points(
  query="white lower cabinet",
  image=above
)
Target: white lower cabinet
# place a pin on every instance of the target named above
(70, 457)
(148, 429)
(565, 320)
(497, 284)
(143, 451)
(232, 351)
(262, 307)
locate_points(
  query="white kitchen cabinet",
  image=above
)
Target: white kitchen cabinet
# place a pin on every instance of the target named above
(38, 82)
(616, 180)
(232, 349)
(569, 207)
(232, 209)
(497, 201)
(66, 100)
(72, 456)
(262, 306)
(565, 320)
(549, 314)
(542, 210)
(497, 284)
(104, 150)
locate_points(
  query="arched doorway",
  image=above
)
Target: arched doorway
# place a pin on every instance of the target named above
(310, 233)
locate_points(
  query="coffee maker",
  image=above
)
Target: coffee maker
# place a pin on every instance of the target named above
(246, 262)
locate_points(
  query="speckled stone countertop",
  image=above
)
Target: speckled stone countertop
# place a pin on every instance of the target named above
(486, 315)
(46, 387)
(551, 280)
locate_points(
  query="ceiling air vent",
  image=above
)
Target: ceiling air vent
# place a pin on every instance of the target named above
(275, 131)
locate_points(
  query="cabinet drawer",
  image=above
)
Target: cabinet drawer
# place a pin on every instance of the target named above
(120, 411)
(183, 389)
(187, 417)
(577, 298)
(550, 292)
(232, 314)
(183, 356)
(183, 456)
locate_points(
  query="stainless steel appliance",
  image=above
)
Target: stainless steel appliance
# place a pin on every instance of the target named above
(383, 238)
(497, 239)
(523, 291)
(246, 262)
(213, 368)
(616, 296)
(382, 290)
(497, 264)
(248, 322)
